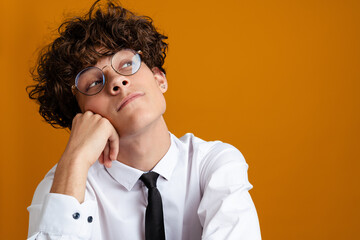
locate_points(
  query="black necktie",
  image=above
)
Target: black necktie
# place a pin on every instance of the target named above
(154, 220)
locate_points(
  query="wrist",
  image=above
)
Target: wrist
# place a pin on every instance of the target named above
(70, 177)
(75, 160)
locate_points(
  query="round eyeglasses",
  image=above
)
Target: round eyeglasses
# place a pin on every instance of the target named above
(91, 80)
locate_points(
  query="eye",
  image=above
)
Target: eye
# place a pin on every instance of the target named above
(126, 65)
(93, 84)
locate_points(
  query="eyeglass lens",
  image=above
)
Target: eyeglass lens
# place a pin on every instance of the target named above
(91, 80)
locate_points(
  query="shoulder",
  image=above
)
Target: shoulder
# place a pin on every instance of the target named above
(210, 149)
(216, 161)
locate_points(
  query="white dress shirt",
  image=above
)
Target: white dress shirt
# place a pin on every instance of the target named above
(204, 188)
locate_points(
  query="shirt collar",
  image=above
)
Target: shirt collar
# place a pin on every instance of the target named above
(128, 176)
(166, 165)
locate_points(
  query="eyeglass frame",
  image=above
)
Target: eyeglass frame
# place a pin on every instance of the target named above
(74, 87)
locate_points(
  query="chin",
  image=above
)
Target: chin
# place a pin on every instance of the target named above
(137, 122)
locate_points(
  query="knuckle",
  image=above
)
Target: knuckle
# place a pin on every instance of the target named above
(97, 116)
(77, 116)
(88, 113)
(104, 121)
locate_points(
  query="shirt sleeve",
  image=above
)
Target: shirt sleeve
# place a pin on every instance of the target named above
(226, 210)
(58, 216)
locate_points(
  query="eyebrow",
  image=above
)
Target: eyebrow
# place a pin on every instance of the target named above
(104, 67)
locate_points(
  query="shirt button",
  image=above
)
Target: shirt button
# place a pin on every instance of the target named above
(90, 219)
(76, 215)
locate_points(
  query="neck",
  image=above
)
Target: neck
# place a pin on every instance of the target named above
(144, 149)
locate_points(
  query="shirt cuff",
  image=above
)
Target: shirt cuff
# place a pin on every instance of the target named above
(64, 215)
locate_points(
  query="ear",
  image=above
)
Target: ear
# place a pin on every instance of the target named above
(160, 79)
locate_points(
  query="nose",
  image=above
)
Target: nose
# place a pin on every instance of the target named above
(117, 85)
(115, 82)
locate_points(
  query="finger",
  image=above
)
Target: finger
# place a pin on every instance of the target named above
(114, 145)
(106, 154)
(101, 158)
(88, 113)
(108, 163)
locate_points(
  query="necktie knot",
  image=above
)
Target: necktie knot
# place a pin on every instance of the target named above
(149, 179)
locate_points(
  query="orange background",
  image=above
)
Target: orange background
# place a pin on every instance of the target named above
(277, 79)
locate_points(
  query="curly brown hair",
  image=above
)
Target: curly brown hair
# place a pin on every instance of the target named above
(111, 28)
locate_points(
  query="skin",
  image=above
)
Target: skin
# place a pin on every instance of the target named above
(136, 135)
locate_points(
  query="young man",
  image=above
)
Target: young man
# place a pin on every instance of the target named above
(123, 175)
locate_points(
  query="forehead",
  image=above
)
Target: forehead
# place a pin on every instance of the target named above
(92, 55)
(103, 51)
(102, 62)
(111, 57)
(89, 56)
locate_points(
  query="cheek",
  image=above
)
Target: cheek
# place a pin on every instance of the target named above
(80, 103)
(163, 104)
(160, 102)
(93, 105)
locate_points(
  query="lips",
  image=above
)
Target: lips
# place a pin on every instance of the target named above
(129, 98)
